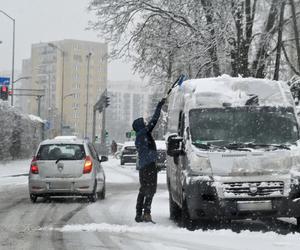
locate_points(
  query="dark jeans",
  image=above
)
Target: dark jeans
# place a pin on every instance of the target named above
(148, 185)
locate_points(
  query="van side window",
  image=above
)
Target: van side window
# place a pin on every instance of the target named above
(181, 124)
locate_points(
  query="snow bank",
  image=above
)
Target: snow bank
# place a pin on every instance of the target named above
(210, 239)
(19, 133)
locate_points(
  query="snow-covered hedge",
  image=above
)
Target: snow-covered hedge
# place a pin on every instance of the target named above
(19, 133)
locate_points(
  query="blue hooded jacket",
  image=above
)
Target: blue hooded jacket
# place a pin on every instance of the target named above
(144, 141)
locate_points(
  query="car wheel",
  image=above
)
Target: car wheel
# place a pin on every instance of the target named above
(175, 210)
(93, 196)
(33, 198)
(122, 162)
(186, 220)
(102, 193)
(298, 223)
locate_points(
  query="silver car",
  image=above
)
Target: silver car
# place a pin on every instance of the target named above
(63, 167)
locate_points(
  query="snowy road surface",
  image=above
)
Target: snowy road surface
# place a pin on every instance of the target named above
(109, 224)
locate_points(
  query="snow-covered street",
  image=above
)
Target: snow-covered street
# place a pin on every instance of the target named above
(109, 224)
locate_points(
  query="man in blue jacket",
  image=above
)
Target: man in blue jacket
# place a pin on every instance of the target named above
(147, 153)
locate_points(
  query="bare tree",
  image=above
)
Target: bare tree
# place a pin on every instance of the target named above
(200, 38)
(279, 41)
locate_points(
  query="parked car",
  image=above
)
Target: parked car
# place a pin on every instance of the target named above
(64, 167)
(128, 153)
(161, 155)
(233, 150)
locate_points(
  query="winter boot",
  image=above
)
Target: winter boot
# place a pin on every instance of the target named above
(147, 217)
(138, 218)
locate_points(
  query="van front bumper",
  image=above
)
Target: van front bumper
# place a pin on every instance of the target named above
(204, 202)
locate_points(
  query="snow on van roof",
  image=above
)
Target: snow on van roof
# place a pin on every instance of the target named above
(235, 91)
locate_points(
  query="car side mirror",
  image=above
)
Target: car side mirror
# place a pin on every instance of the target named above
(103, 158)
(173, 145)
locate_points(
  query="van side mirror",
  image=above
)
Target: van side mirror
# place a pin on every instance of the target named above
(103, 158)
(173, 145)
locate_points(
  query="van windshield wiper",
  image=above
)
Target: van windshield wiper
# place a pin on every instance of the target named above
(244, 146)
(201, 145)
(207, 145)
(280, 146)
(62, 159)
(239, 146)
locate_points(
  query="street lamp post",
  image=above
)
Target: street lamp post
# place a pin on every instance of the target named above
(22, 78)
(62, 84)
(88, 56)
(13, 57)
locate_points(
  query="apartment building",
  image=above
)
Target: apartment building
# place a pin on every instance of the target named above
(128, 101)
(70, 75)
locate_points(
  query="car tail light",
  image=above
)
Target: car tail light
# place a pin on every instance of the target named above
(34, 166)
(88, 165)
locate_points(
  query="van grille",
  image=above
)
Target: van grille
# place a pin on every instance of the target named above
(264, 188)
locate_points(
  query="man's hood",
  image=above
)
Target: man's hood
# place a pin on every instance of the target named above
(138, 124)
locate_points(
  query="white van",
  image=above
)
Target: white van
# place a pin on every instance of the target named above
(233, 150)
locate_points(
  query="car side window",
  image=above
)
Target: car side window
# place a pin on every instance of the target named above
(181, 124)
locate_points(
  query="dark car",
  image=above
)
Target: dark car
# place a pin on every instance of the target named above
(128, 153)
(161, 155)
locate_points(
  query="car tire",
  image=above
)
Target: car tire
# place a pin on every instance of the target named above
(33, 198)
(102, 193)
(298, 223)
(175, 210)
(93, 196)
(122, 162)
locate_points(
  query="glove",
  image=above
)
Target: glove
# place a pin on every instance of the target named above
(163, 101)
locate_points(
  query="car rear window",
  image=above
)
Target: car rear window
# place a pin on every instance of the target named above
(130, 149)
(61, 151)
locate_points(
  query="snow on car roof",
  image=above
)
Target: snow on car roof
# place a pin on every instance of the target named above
(63, 141)
(160, 144)
(235, 91)
(65, 137)
(128, 143)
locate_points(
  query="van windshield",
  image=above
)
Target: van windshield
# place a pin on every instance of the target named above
(251, 125)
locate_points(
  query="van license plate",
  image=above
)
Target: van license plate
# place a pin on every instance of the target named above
(254, 205)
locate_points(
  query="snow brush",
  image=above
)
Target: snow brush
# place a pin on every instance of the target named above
(178, 82)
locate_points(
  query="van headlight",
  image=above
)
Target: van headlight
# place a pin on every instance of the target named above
(200, 165)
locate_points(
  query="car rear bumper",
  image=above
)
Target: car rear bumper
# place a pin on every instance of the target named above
(66, 186)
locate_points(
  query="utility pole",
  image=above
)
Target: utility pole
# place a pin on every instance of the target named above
(63, 53)
(87, 93)
(13, 56)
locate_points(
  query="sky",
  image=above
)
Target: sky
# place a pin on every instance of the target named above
(48, 20)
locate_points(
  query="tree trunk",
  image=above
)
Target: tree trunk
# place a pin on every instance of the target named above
(279, 42)
(259, 63)
(240, 53)
(297, 41)
(212, 50)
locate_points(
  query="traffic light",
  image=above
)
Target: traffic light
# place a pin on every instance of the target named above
(107, 101)
(4, 93)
